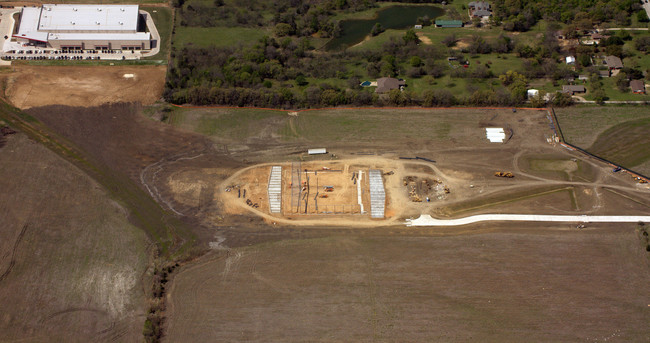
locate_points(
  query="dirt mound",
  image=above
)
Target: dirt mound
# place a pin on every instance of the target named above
(33, 86)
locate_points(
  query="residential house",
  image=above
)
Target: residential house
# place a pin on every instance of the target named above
(570, 60)
(386, 84)
(637, 86)
(448, 23)
(613, 62)
(479, 9)
(596, 37)
(604, 73)
(573, 89)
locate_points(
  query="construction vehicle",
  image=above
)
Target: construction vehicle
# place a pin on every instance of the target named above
(616, 170)
(323, 196)
(390, 173)
(508, 175)
(328, 188)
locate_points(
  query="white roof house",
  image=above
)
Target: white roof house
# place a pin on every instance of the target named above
(533, 93)
(570, 60)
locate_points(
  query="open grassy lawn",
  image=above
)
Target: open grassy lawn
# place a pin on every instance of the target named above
(162, 17)
(627, 143)
(217, 36)
(613, 93)
(361, 125)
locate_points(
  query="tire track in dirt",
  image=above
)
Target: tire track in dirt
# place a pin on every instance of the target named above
(12, 261)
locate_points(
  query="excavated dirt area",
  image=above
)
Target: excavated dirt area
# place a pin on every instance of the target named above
(34, 86)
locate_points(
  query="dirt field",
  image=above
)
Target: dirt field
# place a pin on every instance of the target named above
(70, 261)
(549, 285)
(379, 283)
(548, 178)
(34, 86)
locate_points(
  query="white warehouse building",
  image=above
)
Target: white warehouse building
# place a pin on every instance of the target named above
(83, 27)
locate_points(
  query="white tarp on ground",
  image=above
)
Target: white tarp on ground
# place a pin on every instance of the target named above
(427, 220)
(495, 134)
(377, 194)
(275, 189)
(317, 151)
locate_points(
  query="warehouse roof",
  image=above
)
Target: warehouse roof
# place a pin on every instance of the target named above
(37, 22)
(58, 18)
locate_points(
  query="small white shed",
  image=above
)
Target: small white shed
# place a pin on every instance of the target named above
(533, 93)
(570, 60)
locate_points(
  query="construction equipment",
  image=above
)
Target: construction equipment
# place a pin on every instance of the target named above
(328, 188)
(508, 175)
(323, 196)
(390, 173)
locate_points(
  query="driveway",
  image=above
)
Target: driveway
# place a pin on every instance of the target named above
(427, 220)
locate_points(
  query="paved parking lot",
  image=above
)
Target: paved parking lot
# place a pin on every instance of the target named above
(32, 53)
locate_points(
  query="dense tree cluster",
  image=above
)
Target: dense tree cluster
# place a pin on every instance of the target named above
(285, 71)
(521, 15)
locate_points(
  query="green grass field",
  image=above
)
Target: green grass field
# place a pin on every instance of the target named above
(217, 36)
(619, 134)
(162, 17)
(627, 143)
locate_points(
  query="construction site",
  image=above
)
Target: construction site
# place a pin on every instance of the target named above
(363, 189)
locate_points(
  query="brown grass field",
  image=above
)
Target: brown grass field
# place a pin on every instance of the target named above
(336, 279)
(70, 262)
(527, 284)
